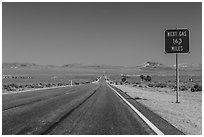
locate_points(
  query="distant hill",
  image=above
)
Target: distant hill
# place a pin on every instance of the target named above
(91, 66)
(147, 66)
(71, 65)
(186, 66)
(18, 65)
(161, 67)
(154, 66)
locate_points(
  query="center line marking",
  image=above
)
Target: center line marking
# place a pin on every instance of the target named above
(150, 124)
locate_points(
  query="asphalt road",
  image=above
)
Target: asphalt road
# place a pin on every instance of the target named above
(93, 109)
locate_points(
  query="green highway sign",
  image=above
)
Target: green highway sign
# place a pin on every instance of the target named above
(177, 41)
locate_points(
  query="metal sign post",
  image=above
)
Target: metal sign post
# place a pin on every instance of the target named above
(177, 79)
(177, 41)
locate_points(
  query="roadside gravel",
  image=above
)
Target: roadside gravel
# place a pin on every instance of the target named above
(186, 115)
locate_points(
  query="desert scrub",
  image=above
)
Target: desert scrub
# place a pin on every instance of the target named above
(183, 88)
(158, 85)
(16, 87)
(161, 85)
(151, 85)
(140, 86)
(196, 87)
(7, 88)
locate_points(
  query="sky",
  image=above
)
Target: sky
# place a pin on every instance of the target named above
(121, 34)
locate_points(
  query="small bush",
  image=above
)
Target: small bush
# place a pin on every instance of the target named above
(29, 86)
(134, 85)
(196, 87)
(48, 85)
(20, 86)
(151, 85)
(183, 88)
(161, 85)
(142, 77)
(148, 78)
(59, 84)
(7, 87)
(14, 85)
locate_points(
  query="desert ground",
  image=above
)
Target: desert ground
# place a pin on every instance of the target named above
(186, 115)
(157, 94)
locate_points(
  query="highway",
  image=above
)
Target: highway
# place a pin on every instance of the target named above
(92, 109)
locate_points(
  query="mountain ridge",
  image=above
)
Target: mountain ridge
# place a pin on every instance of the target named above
(149, 65)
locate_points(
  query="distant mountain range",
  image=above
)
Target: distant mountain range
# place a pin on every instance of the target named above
(18, 65)
(91, 66)
(74, 65)
(158, 66)
(145, 66)
(186, 66)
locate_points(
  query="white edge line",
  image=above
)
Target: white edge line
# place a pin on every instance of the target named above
(151, 125)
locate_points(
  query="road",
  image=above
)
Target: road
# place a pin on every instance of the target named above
(92, 109)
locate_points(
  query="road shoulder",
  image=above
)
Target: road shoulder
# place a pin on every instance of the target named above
(186, 116)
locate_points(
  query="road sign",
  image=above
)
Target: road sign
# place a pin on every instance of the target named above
(177, 41)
